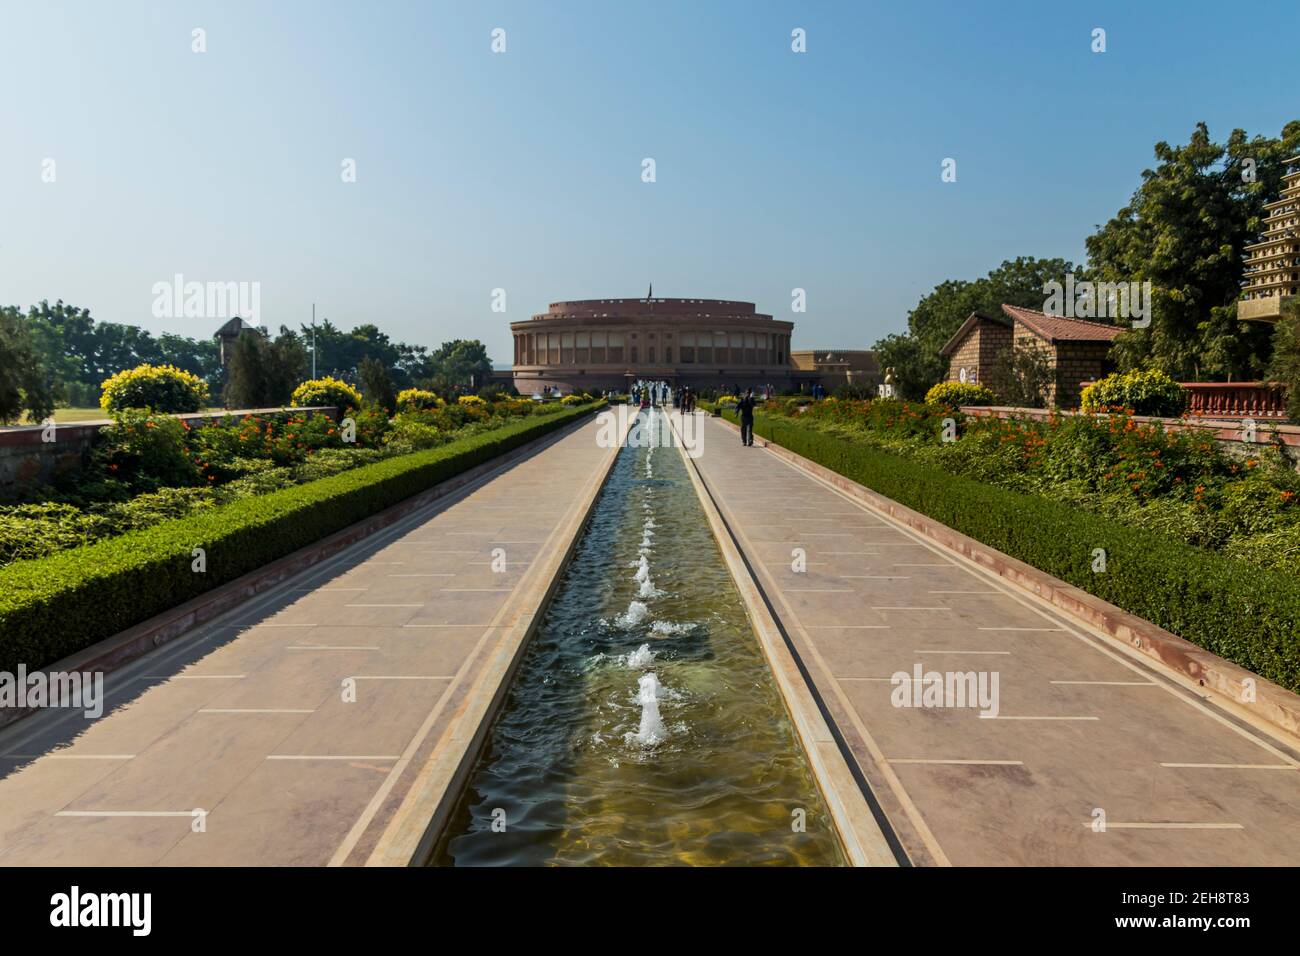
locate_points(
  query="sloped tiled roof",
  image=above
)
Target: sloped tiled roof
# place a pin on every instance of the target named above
(1057, 328)
(964, 330)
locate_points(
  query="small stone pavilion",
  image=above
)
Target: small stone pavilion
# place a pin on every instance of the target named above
(1076, 348)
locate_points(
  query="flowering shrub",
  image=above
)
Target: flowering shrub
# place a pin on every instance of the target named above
(472, 401)
(146, 451)
(159, 388)
(1141, 393)
(956, 394)
(1177, 482)
(574, 400)
(325, 392)
(417, 398)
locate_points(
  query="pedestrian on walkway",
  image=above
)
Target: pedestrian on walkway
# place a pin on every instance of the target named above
(745, 409)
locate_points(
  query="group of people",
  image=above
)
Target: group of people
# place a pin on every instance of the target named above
(658, 394)
(648, 393)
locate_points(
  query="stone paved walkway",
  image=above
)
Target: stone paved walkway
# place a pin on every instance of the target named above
(245, 718)
(1081, 728)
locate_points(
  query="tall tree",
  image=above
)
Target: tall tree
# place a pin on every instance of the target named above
(1184, 230)
(24, 384)
(462, 362)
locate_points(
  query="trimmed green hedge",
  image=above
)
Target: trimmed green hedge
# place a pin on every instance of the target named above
(1244, 614)
(55, 606)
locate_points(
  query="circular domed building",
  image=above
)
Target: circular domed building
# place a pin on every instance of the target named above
(598, 344)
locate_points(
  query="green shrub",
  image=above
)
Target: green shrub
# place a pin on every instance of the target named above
(54, 606)
(146, 451)
(160, 388)
(956, 394)
(1245, 614)
(1142, 393)
(324, 392)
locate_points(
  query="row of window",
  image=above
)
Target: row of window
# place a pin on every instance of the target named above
(702, 348)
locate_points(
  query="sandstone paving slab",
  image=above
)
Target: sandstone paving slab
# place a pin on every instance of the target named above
(1079, 728)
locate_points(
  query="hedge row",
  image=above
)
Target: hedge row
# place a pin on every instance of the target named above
(54, 606)
(1243, 614)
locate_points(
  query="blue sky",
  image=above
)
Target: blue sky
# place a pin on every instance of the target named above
(522, 170)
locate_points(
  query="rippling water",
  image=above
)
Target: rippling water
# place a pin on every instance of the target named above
(643, 726)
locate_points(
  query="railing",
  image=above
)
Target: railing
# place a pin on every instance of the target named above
(1232, 400)
(1259, 400)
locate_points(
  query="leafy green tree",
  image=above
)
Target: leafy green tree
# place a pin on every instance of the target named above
(462, 362)
(24, 385)
(1021, 376)
(1184, 230)
(263, 373)
(377, 384)
(1285, 367)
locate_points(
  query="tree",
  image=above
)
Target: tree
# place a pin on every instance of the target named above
(1285, 367)
(1021, 376)
(1184, 230)
(462, 362)
(247, 377)
(263, 373)
(377, 384)
(24, 384)
(912, 374)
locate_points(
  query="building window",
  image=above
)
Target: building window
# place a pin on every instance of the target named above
(566, 348)
(582, 347)
(553, 352)
(650, 354)
(615, 347)
(750, 345)
(597, 348)
(737, 340)
(632, 354)
(720, 348)
(688, 348)
(668, 355)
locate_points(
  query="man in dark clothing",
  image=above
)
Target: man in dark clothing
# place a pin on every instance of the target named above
(745, 409)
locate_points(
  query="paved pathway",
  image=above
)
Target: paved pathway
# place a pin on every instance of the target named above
(1081, 728)
(245, 718)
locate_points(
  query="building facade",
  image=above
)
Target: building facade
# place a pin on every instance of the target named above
(1272, 268)
(832, 368)
(1076, 349)
(595, 345)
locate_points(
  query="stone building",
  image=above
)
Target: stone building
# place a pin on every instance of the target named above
(1076, 349)
(832, 368)
(1272, 269)
(598, 344)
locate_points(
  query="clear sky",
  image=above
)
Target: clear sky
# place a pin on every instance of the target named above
(523, 170)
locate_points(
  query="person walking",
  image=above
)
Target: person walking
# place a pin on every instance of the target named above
(745, 409)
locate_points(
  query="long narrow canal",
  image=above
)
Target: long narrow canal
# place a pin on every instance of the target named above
(643, 726)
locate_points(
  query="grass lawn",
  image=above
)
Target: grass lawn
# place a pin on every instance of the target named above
(63, 415)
